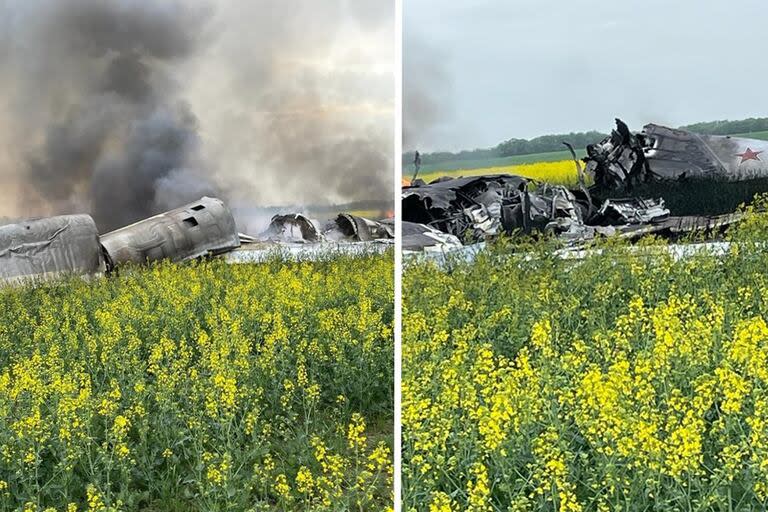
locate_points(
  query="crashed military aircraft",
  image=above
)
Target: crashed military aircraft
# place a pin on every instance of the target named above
(71, 244)
(659, 153)
(297, 236)
(205, 227)
(298, 228)
(661, 180)
(50, 247)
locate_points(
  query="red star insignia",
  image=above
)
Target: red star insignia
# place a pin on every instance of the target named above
(749, 155)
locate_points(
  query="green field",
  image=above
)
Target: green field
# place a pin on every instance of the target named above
(455, 165)
(561, 172)
(463, 165)
(753, 135)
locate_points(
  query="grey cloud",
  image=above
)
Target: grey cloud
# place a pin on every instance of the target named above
(522, 69)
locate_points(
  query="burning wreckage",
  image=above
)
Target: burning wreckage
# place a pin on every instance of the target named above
(662, 180)
(71, 244)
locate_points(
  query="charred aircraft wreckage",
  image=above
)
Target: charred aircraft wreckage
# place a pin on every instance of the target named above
(662, 180)
(71, 244)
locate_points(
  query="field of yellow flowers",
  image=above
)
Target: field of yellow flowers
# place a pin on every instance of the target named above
(627, 381)
(561, 172)
(200, 387)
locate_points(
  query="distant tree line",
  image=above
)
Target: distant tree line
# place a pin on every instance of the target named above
(753, 124)
(511, 147)
(549, 143)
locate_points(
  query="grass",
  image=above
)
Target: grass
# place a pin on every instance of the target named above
(562, 172)
(472, 167)
(753, 135)
(464, 165)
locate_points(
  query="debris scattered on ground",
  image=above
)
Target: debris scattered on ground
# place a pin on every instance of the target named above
(662, 180)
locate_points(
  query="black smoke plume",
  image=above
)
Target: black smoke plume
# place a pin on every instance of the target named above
(124, 108)
(107, 125)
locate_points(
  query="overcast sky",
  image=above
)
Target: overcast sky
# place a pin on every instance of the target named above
(479, 72)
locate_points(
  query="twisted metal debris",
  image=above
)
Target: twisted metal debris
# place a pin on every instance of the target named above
(661, 180)
(71, 244)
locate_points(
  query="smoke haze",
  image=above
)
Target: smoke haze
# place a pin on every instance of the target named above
(124, 108)
(427, 102)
